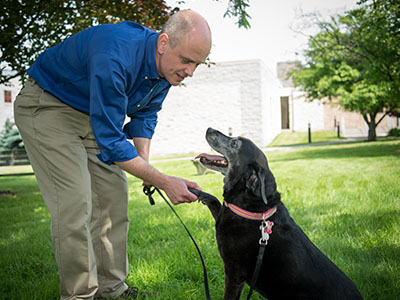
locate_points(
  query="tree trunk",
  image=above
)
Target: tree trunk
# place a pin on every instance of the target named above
(371, 125)
(372, 131)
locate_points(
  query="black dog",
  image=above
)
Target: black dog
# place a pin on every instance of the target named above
(292, 266)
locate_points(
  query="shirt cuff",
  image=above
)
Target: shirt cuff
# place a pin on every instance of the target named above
(140, 128)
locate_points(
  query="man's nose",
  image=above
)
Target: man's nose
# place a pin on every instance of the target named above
(190, 69)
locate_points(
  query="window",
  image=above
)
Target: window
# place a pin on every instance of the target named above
(7, 96)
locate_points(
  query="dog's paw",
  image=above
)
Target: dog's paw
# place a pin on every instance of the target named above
(202, 196)
(196, 192)
(199, 194)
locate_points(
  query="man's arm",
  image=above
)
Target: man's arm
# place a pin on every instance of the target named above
(142, 146)
(176, 188)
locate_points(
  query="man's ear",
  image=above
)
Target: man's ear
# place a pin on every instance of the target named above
(255, 182)
(162, 43)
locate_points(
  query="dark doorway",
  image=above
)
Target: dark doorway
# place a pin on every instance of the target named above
(285, 112)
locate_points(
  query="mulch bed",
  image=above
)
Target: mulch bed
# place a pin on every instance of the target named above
(7, 193)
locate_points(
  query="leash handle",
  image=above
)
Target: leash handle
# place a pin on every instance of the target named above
(148, 192)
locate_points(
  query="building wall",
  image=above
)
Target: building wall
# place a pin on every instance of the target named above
(237, 98)
(352, 124)
(189, 111)
(306, 112)
(322, 114)
(303, 112)
(270, 99)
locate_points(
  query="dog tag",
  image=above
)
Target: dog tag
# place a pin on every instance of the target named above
(266, 230)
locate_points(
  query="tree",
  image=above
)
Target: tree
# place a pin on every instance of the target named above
(10, 137)
(237, 8)
(28, 27)
(355, 59)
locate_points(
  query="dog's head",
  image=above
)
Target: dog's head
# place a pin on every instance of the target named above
(242, 163)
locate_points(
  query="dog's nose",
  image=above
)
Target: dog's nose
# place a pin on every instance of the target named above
(211, 130)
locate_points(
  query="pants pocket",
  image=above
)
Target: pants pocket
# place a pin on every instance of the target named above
(28, 97)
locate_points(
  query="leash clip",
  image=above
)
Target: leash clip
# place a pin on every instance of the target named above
(266, 230)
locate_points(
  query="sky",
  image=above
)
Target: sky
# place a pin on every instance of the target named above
(274, 35)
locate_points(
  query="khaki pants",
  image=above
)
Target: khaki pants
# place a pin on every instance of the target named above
(87, 199)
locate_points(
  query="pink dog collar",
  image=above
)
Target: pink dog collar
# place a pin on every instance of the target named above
(250, 215)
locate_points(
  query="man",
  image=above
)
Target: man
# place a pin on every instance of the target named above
(71, 115)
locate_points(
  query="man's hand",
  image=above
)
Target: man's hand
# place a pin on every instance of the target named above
(176, 188)
(148, 184)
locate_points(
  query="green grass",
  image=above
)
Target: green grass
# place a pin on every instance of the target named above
(298, 138)
(345, 197)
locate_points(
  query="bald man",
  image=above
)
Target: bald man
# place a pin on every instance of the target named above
(71, 114)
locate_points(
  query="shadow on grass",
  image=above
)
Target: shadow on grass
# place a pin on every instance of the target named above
(363, 244)
(28, 268)
(367, 268)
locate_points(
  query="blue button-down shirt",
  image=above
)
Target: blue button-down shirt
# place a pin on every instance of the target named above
(108, 71)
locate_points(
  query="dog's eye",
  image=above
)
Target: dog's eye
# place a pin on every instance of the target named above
(234, 143)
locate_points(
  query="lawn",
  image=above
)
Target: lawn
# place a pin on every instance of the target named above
(345, 197)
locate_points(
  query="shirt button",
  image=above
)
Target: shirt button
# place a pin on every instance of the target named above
(138, 105)
(145, 77)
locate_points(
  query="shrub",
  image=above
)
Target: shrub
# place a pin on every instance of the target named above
(394, 132)
(10, 138)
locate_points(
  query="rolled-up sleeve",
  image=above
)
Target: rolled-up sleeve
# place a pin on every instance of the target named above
(108, 107)
(143, 122)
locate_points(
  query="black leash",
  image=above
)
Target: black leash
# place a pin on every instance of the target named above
(266, 230)
(149, 192)
(257, 269)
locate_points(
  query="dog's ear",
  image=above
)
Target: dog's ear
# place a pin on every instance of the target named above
(255, 182)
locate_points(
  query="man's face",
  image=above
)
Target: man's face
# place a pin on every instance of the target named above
(175, 64)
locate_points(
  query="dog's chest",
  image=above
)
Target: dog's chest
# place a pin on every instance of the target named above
(237, 237)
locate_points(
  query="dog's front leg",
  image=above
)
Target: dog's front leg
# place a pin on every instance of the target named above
(233, 288)
(212, 202)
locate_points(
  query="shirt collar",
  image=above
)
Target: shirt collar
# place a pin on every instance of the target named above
(151, 71)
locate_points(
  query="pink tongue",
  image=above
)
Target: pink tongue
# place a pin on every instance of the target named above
(209, 156)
